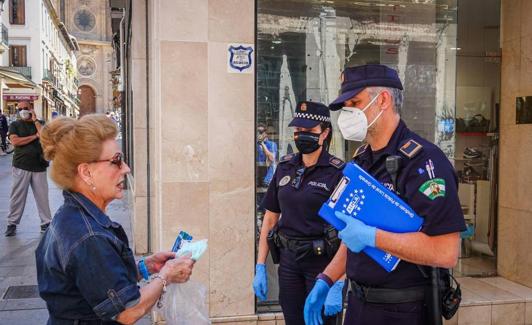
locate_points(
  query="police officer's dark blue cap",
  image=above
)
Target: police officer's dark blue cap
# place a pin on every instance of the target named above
(356, 79)
(309, 114)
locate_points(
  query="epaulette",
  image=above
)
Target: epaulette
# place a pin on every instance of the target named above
(288, 157)
(360, 150)
(410, 149)
(336, 162)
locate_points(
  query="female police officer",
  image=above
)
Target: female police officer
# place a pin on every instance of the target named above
(302, 183)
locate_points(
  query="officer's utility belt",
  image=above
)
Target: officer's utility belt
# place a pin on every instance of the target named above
(302, 247)
(388, 296)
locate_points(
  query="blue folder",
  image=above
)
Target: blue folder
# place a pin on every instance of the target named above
(361, 196)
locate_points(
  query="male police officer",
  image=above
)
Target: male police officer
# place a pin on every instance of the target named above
(370, 101)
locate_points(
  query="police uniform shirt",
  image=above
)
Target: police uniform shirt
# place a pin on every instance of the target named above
(428, 183)
(299, 206)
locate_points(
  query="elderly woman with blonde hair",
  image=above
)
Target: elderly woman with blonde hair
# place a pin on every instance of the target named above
(85, 269)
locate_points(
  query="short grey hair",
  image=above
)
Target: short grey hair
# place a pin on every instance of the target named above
(396, 93)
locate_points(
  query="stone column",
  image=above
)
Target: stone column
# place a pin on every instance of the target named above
(203, 142)
(514, 258)
(140, 148)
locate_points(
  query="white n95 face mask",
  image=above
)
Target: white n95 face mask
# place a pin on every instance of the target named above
(24, 114)
(353, 123)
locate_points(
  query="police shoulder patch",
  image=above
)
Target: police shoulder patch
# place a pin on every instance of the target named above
(433, 188)
(284, 180)
(336, 162)
(360, 150)
(286, 158)
(410, 148)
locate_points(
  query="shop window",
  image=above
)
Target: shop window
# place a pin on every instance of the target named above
(17, 14)
(451, 88)
(17, 56)
(476, 142)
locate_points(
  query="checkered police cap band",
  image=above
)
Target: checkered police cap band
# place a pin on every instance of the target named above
(314, 117)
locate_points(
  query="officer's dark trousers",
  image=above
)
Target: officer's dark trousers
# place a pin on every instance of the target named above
(362, 313)
(296, 280)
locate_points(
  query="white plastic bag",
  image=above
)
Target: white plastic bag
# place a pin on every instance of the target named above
(184, 304)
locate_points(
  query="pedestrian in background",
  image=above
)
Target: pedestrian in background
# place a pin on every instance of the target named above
(266, 154)
(29, 168)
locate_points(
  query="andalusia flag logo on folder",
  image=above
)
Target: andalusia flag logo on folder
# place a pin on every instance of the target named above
(361, 196)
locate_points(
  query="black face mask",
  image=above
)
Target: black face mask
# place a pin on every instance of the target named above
(307, 142)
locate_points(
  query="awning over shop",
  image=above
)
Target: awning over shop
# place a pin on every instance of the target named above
(16, 80)
(21, 97)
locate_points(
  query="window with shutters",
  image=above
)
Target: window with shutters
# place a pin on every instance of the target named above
(17, 56)
(17, 12)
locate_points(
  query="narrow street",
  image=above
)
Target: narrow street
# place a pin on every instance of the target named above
(17, 261)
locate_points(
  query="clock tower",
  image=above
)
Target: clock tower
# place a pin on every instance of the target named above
(90, 22)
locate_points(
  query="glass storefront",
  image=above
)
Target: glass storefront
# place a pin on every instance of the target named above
(449, 68)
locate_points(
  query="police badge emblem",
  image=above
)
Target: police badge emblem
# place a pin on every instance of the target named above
(284, 180)
(240, 57)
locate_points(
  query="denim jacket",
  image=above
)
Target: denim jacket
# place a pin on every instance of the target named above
(85, 269)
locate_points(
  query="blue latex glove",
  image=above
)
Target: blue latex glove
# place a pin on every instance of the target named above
(314, 303)
(260, 283)
(356, 235)
(333, 303)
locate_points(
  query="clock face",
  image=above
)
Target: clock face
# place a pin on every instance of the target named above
(84, 20)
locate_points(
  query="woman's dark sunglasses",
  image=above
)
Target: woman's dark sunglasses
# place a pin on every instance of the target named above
(116, 160)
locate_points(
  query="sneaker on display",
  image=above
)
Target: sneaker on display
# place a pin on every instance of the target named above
(471, 153)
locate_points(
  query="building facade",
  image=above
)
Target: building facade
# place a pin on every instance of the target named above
(89, 21)
(42, 50)
(193, 111)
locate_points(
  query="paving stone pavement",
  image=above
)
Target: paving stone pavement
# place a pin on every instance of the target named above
(17, 261)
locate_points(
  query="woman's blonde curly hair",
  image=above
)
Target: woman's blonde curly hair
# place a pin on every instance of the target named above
(69, 142)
